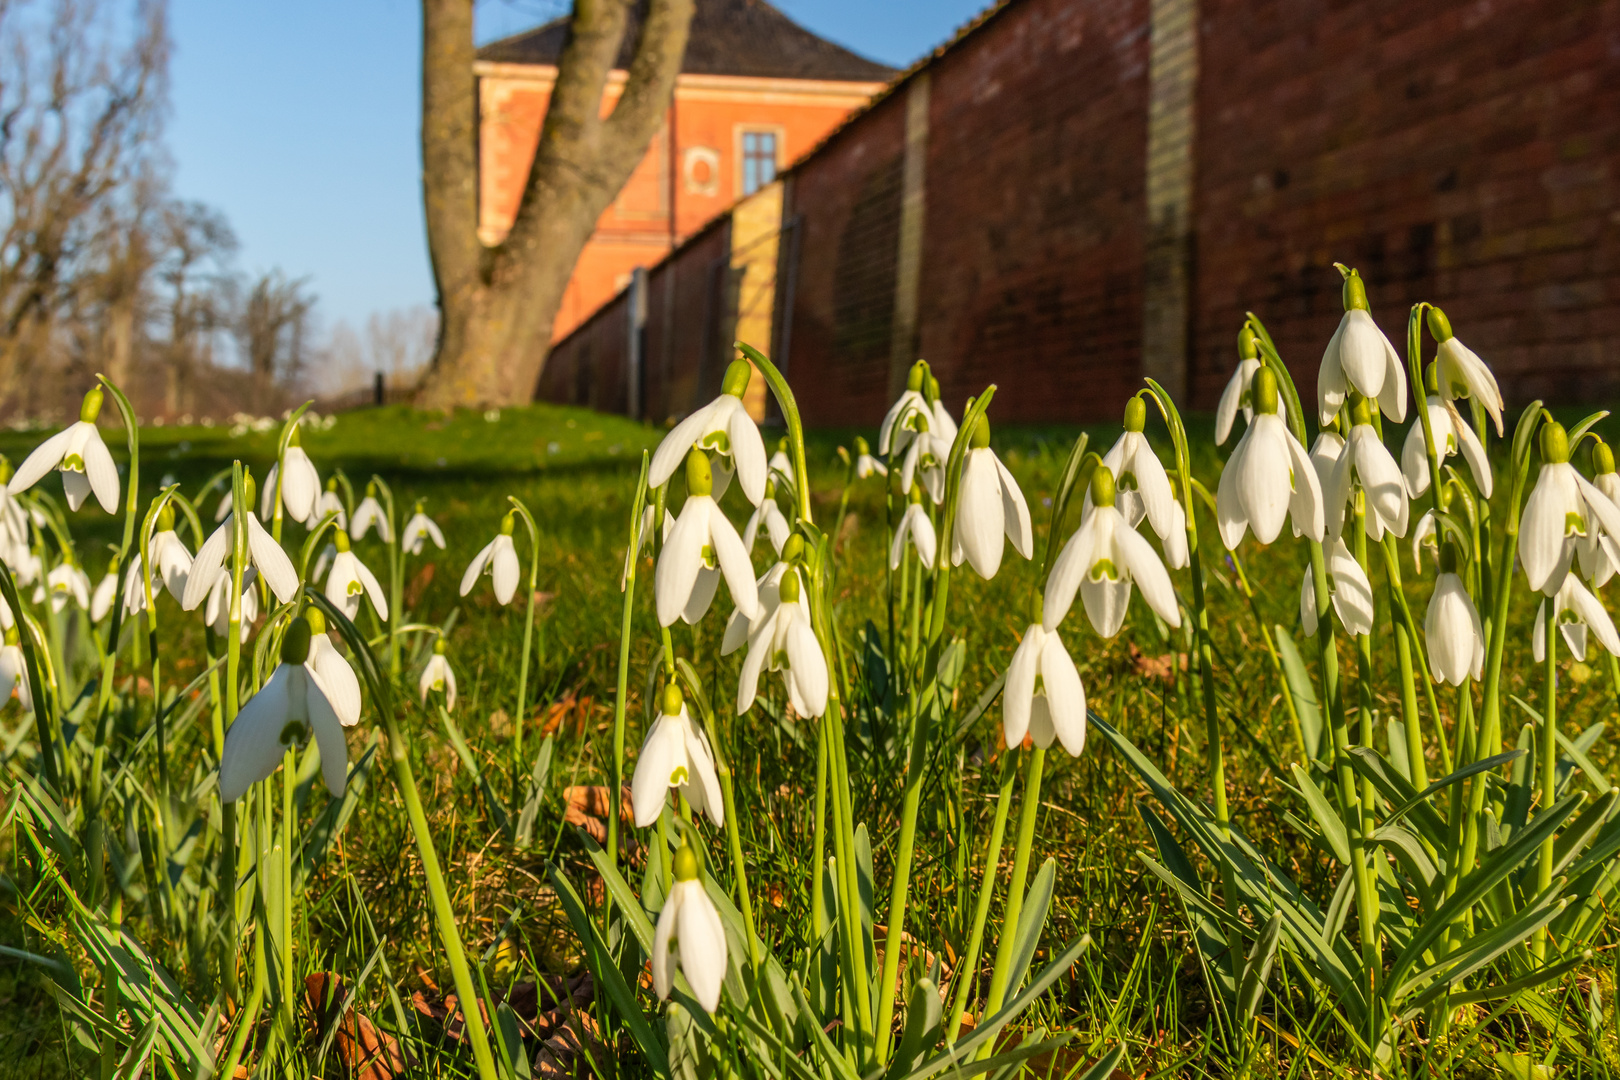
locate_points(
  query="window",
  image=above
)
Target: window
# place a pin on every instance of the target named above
(758, 160)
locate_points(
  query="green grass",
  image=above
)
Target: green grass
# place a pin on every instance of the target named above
(576, 471)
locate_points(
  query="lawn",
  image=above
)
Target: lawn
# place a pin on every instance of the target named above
(365, 915)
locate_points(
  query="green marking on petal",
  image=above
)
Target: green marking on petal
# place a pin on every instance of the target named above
(73, 463)
(679, 776)
(355, 588)
(1104, 568)
(716, 440)
(1574, 523)
(708, 556)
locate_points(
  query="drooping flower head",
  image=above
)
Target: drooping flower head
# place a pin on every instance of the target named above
(437, 675)
(724, 427)
(370, 512)
(990, 509)
(1359, 357)
(80, 455)
(784, 641)
(263, 552)
(338, 680)
(1563, 510)
(300, 485)
(915, 528)
(332, 503)
(1269, 477)
(1452, 628)
(1461, 373)
(1044, 698)
(1453, 434)
(67, 582)
(675, 755)
(780, 467)
(1102, 560)
(498, 558)
(1366, 463)
(865, 464)
(702, 547)
(171, 562)
(1575, 611)
(291, 703)
(420, 529)
(349, 578)
(1594, 548)
(101, 600)
(908, 416)
(768, 514)
(1239, 392)
(690, 934)
(1348, 588)
(14, 671)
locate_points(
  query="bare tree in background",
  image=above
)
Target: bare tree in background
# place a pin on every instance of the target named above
(398, 344)
(272, 334)
(80, 112)
(497, 304)
(198, 295)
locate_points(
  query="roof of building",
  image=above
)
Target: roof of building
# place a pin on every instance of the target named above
(728, 37)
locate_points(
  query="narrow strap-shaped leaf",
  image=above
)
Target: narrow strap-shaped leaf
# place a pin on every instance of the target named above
(1301, 690)
(1327, 818)
(1031, 921)
(624, 897)
(537, 790)
(1482, 950)
(1257, 968)
(1399, 791)
(1483, 765)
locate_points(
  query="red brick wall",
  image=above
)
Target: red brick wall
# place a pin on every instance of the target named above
(1461, 152)
(1033, 233)
(846, 202)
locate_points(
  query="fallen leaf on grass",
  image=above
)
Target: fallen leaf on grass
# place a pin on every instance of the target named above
(1157, 667)
(587, 807)
(368, 1053)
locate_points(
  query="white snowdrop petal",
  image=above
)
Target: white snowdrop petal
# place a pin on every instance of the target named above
(476, 567)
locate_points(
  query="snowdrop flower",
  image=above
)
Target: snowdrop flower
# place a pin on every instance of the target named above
(217, 609)
(1575, 611)
(263, 552)
(1592, 550)
(1563, 507)
(101, 600)
(989, 509)
(337, 678)
(780, 466)
(1239, 392)
(293, 700)
(785, 641)
(1269, 477)
(1452, 435)
(738, 626)
(690, 933)
(909, 415)
(1141, 485)
(1425, 535)
(643, 538)
(676, 755)
(1367, 462)
(13, 519)
(369, 513)
(224, 506)
(702, 546)
(498, 559)
(1103, 559)
(1325, 454)
(349, 578)
(1359, 357)
(767, 513)
(1044, 697)
(300, 485)
(723, 426)
(14, 672)
(437, 675)
(419, 530)
(916, 528)
(78, 452)
(332, 503)
(171, 562)
(67, 582)
(1459, 372)
(134, 590)
(1452, 628)
(865, 464)
(925, 460)
(1348, 588)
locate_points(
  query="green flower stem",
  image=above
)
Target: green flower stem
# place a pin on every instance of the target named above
(396, 577)
(289, 770)
(739, 865)
(818, 869)
(1414, 367)
(1547, 759)
(247, 1019)
(621, 697)
(518, 718)
(1371, 952)
(444, 914)
(229, 880)
(987, 889)
(1027, 816)
(1406, 639)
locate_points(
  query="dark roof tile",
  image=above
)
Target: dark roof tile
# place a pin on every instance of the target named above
(728, 37)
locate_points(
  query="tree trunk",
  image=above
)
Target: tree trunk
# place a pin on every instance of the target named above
(497, 304)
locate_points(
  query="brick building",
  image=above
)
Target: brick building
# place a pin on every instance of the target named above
(1072, 194)
(755, 91)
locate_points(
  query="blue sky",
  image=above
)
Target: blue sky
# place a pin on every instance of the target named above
(299, 120)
